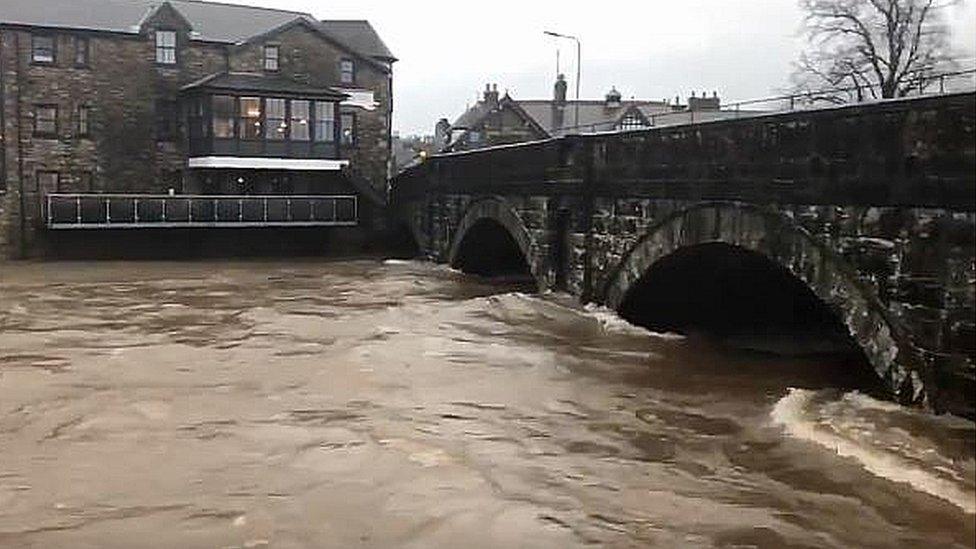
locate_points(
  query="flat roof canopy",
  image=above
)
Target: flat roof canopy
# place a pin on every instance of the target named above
(256, 163)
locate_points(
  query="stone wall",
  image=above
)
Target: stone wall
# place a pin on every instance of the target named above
(872, 206)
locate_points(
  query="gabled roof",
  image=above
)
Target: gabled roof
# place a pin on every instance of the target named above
(593, 114)
(361, 36)
(475, 115)
(318, 27)
(261, 83)
(211, 21)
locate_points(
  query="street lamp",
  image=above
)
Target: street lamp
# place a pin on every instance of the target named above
(578, 51)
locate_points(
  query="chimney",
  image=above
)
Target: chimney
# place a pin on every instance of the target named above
(559, 90)
(491, 96)
(613, 98)
(442, 133)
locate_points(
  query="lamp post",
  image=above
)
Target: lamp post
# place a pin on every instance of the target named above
(578, 51)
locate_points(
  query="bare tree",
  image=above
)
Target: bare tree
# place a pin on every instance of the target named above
(872, 48)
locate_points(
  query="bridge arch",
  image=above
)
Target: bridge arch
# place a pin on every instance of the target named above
(494, 217)
(776, 237)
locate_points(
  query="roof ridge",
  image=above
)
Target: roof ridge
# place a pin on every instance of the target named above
(244, 6)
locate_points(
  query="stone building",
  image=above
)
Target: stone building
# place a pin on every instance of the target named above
(498, 120)
(185, 97)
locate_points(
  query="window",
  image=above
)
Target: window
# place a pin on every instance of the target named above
(81, 51)
(271, 58)
(276, 125)
(166, 124)
(250, 118)
(300, 127)
(48, 182)
(347, 71)
(324, 121)
(348, 125)
(42, 49)
(631, 121)
(83, 126)
(223, 116)
(166, 47)
(46, 120)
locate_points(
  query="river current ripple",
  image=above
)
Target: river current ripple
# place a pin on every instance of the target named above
(401, 404)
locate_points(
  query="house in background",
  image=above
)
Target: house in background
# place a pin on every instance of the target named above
(495, 120)
(188, 97)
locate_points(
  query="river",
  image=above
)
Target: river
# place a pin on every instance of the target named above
(374, 403)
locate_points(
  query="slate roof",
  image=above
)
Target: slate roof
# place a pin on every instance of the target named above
(211, 21)
(359, 35)
(245, 81)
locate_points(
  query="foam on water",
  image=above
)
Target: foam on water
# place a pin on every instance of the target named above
(611, 322)
(852, 426)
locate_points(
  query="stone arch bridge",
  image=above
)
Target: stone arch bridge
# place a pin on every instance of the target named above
(870, 207)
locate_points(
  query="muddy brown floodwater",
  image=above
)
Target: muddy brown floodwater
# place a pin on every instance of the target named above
(400, 404)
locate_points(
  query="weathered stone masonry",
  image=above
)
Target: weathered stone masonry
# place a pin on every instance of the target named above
(122, 86)
(872, 206)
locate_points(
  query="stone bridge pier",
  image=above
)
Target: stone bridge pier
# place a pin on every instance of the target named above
(868, 211)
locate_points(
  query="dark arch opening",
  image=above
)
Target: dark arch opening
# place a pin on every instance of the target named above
(745, 301)
(489, 250)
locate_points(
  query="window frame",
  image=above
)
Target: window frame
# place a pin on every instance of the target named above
(83, 121)
(269, 126)
(276, 48)
(241, 118)
(46, 134)
(54, 49)
(352, 140)
(294, 122)
(232, 115)
(165, 48)
(322, 137)
(351, 72)
(86, 61)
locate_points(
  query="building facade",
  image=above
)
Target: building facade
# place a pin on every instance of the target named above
(185, 98)
(499, 120)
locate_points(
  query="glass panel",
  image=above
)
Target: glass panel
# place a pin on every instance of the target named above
(348, 129)
(299, 121)
(250, 120)
(166, 47)
(347, 71)
(81, 51)
(324, 121)
(46, 120)
(271, 58)
(43, 49)
(223, 116)
(276, 127)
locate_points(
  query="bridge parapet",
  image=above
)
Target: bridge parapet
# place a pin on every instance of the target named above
(886, 190)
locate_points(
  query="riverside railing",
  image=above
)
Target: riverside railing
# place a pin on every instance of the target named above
(125, 211)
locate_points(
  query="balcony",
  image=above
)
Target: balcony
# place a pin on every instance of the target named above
(143, 211)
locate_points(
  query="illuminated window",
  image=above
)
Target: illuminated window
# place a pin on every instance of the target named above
(300, 126)
(250, 118)
(223, 116)
(276, 125)
(348, 125)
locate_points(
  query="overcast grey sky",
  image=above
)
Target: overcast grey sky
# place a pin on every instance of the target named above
(449, 49)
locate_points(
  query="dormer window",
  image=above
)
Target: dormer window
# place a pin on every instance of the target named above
(347, 71)
(166, 47)
(271, 53)
(631, 121)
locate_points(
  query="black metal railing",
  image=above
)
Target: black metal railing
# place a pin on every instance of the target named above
(122, 211)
